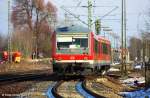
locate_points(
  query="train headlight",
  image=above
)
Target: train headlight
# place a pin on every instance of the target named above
(59, 59)
(85, 58)
(72, 58)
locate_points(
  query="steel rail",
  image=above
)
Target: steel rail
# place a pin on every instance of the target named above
(84, 91)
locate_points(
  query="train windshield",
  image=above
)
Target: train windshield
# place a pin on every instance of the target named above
(72, 45)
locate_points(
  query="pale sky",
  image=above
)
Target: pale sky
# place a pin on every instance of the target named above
(3, 16)
(135, 13)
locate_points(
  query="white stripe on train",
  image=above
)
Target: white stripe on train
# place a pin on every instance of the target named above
(83, 61)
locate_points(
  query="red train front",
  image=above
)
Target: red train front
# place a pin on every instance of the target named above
(78, 50)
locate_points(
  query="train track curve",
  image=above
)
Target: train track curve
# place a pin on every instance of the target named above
(85, 92)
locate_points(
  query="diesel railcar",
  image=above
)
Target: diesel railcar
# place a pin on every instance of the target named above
(77, 49)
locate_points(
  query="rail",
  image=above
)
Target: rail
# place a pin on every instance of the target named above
(54, 90)
(23, 77)
(81, 88)
(89, 91)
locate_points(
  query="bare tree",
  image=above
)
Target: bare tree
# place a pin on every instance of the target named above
(146, 44)
(146, 48)
(135, 48)
(3, 42)
(30, 19)
(145, 35)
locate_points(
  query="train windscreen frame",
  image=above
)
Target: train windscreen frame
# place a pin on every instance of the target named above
(72, 44)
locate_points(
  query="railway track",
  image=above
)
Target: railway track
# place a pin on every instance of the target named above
(51, 92)
(74, 89)
(104, 87)
(54, 91)
(23, 75)
(42, 89)
(80, 89)
(35, 90)
(21, 78)
(67, 90)
(18, 77)
(85, 92)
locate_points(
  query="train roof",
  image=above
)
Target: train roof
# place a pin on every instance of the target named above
(101, 38)
(73, 29)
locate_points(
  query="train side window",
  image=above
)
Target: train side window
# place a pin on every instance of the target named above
(99, 47)
(109, 49)
(96, 46)
(83, 42)
(104, 48)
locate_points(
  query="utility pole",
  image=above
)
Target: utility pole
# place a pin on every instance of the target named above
(9, 35)
(125, 34)
(90, 14)
(123, 37)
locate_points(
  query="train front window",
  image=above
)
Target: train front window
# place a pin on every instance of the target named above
(72, 45)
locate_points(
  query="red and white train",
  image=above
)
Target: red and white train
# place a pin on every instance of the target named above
(77, 49)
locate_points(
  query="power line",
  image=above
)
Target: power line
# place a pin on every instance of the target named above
(77, 17)
(109, 12)
(83, 6)
(79, 4)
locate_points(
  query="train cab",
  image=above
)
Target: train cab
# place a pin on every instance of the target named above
(77, 48)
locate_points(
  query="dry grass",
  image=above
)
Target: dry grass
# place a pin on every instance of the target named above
(114, 85)
(102, 89)
(107, 87)
(24, 66)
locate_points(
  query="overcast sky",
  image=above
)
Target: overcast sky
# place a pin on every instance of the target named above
(135, 13)
(3, 16)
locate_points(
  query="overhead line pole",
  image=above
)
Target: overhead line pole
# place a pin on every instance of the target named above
(123, 38)
(122, 42)
(90, 14)
(125, 34)
(9, 35)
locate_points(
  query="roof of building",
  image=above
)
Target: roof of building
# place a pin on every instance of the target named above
(73, 29)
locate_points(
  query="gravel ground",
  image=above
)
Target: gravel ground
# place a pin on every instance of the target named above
(106, 88)
(14, 89)
(67, 90)
(38, 90)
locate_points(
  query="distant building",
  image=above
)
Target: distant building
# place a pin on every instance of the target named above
(117, 56)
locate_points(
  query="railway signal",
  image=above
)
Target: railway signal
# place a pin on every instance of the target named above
(98, 26)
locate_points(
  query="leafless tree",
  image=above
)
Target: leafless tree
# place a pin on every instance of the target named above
(135, 48)
(30, 21)
(3, 43)
(145, 35)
